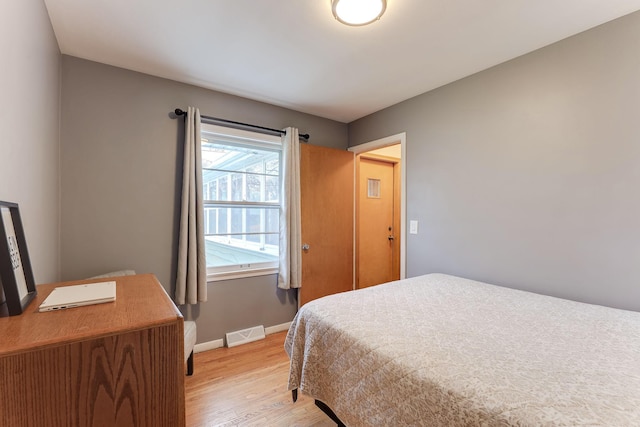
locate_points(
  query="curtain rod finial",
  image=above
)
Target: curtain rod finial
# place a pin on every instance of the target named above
(179, 112)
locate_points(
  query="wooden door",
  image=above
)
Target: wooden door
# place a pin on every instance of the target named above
(327, 191)
(378, 223)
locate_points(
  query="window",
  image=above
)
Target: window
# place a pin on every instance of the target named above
(373, 188)
(241, 186)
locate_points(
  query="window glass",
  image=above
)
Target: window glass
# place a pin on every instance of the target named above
(255, 187)
(241, 184)
(222, 221)
(223, 190)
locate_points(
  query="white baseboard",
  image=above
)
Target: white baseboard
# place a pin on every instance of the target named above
(212, 345)
(209, 345)
(277, 328)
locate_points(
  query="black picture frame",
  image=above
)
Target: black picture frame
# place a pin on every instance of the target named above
(16, 275)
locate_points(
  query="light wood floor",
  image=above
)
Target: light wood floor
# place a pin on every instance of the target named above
(247, 386)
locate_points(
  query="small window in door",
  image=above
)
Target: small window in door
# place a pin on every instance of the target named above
(373, 188)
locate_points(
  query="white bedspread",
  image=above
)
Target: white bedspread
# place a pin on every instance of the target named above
(438, 350)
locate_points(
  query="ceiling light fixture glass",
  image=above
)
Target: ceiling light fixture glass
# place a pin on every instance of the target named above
(358, 12)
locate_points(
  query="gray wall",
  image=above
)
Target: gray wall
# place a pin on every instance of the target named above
(120, 166)
(29, 125)
(527, 174)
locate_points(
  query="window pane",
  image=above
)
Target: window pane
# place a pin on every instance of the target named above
(257, 167)
(236, 220)
(236, 187)
(222, 189)
(273, 224)
(254, 188)
(212, 187)
(228, 157)
(222, 221)
(252, 243)
(373, 188)
(221, 252)
(209, 220)
(237, 163)
(272, 165)
(254, 223)
(246, 220)
(272, 189)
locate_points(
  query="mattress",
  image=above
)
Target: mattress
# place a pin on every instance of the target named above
(439, 350)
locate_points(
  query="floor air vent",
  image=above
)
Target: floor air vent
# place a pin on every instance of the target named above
(245, 336)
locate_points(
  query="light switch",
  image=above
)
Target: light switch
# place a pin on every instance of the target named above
(413, 227)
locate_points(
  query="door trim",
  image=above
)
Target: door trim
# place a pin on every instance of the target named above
(384, 142)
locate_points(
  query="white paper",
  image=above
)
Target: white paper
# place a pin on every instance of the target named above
(14, 252)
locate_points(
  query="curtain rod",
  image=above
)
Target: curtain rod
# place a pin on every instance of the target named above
(179, 112)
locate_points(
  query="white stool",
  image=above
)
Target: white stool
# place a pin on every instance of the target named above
(189, 326)
(189, 343)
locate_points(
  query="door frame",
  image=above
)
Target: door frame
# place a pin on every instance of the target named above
(400, 138)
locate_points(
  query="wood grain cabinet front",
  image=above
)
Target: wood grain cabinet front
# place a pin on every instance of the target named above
(113, 364)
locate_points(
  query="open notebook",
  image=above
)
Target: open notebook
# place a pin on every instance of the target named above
(78, 295)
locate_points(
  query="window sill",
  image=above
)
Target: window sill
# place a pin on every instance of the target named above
(240, 274)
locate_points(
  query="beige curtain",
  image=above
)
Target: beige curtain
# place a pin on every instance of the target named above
(191, 281)
(290, 275)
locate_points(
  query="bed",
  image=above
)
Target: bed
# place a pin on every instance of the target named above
(439, 350)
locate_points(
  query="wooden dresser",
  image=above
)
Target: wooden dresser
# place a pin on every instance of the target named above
(113, 364)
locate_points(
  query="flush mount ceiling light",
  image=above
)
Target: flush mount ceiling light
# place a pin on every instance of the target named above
(358, 12)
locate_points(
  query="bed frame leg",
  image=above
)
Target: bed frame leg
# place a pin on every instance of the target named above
(329, 413)
(294, 395)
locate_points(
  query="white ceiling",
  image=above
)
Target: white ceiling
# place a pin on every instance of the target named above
(293, 53)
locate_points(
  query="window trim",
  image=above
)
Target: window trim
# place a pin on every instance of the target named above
(240, 274)
(258, 140)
